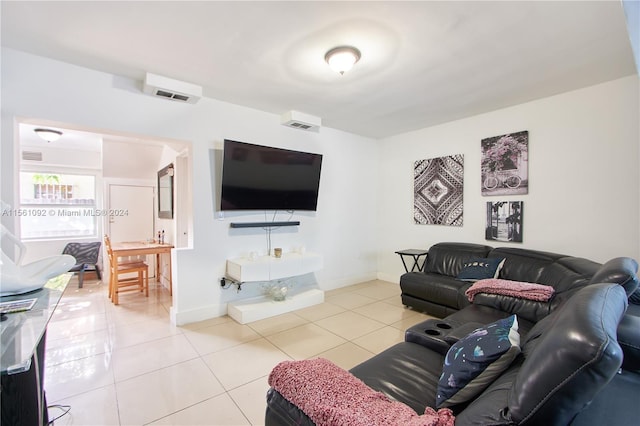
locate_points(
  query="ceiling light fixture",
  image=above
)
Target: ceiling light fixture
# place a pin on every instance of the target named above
(342, 58)
(48, 135)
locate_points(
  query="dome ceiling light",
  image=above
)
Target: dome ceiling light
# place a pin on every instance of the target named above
(342, 58)
(48, 135)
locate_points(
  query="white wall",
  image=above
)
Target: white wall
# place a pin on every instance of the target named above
(343, 229)
(583, 195)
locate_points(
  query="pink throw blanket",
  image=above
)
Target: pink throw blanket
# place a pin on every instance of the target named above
(331, 396)
(530, 291)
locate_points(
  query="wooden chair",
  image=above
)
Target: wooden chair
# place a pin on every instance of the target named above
(119, 285)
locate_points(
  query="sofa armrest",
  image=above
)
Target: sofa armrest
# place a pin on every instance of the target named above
(439, 334)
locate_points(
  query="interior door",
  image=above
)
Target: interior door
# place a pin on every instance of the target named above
(133, 214)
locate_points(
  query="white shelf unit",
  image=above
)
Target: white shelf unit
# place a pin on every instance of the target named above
(267, 268)
(249, 310)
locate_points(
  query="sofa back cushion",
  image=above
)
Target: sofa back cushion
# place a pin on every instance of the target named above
(449, 258)
(621, 270)
(569, 357)
(524, 265)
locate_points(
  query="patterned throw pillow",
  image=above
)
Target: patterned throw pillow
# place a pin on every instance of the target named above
(476, 360)
(480, 269)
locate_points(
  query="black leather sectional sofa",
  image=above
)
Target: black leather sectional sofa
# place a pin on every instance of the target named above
(572, 347)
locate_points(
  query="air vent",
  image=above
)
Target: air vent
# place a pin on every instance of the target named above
(32, 155)
(299, 120)
(168, 88)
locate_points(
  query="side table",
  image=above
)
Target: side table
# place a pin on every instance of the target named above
(415, 254)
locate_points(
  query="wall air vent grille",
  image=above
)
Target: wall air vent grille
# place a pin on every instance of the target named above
(300, 125)
(32, 155)
(174, 90)
(299, 120)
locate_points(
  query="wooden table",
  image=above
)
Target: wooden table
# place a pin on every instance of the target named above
(139, 248)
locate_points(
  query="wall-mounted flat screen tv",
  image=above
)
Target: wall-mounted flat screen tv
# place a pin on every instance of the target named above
(256, 177)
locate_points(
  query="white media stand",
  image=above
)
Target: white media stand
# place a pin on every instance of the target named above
(268, 268)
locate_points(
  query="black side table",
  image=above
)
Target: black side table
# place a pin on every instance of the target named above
(415, 254)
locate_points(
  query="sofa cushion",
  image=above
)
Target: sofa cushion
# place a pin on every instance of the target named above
(330, 395)
(406, 372)
(473, 362)
(523, 264)
(480, 269)
(447, 258)
(440, 289)
(623, 271)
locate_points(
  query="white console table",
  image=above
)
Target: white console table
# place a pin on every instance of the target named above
(267, 268)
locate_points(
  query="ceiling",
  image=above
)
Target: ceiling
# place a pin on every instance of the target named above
(423, 63)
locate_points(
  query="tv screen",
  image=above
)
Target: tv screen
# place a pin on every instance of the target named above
(256, 177)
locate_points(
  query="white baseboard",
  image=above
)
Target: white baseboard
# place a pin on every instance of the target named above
(195, 315)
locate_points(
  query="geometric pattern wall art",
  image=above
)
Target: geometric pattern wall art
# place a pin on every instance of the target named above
(437, 191)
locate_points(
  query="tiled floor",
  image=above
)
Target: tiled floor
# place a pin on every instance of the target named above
(127, 365)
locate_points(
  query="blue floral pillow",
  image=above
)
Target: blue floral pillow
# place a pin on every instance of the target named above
(480, 269)
(476, 360)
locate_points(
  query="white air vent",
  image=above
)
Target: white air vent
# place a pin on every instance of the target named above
(32, 155)
(299, 120)
(174, 90)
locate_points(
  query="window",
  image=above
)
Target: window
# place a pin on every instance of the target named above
(56, 205)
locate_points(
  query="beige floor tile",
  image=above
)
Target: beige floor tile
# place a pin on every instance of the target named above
(135, 313)
(350, 300)
(79, 376)
(277, 324)
(322, 310)
(146, 357)
(145, 331)
(155, 395)
(251, 398)
(76, 326)
(77, 347)
(74, 307)
(305, 341)
(384, 312)
(346, 355)
(380, 290)
(349, 325)
(380, 340)
(206, 323)
(337, 291)
(94, 408)
(244, 363)
(219, 337)
(219, 411)
(395, 301)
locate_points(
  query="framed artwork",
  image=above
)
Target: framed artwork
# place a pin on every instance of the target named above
(504, 221)
(437, 191)
(505, 164)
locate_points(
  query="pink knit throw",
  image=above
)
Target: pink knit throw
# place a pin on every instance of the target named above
(331, 396)
(530, 291)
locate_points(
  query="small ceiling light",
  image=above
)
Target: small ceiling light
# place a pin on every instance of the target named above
(48, 135)
(342, 58)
